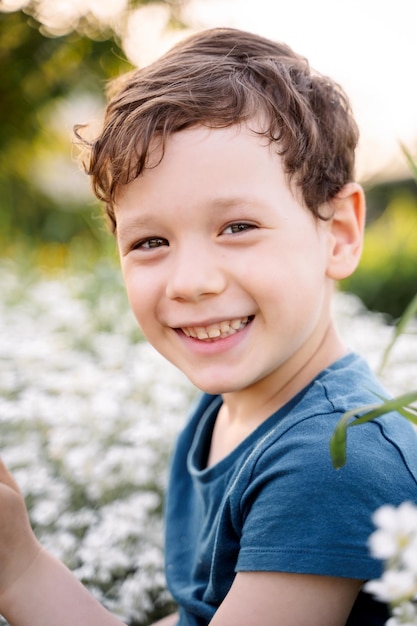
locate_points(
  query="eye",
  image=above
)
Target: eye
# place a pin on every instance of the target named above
(238, 227)
(150, 243)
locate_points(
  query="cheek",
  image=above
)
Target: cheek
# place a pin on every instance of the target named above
(140, 295)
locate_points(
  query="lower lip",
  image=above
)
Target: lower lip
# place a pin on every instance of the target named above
(215, 346)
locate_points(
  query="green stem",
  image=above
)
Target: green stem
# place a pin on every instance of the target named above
(361, 415)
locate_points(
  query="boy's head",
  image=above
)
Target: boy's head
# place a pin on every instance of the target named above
(220, 78)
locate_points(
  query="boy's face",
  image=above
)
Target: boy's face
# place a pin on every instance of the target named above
(225, 269)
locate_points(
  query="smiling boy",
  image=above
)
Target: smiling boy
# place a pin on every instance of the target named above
(227, 172)
(210, 236)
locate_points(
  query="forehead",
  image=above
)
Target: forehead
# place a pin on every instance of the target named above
(205, 175)
(235, 156)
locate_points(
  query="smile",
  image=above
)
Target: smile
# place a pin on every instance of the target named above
(219, 330)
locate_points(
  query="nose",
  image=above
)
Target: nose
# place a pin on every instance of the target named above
(195, 272)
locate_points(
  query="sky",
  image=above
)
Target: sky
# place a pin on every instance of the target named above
(368, 46)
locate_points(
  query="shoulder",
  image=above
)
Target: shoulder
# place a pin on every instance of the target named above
(291, 476)
(382, 450)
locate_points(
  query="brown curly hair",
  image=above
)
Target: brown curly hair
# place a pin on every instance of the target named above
(221, 77)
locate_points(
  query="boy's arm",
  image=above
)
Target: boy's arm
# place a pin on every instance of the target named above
(279, 599)
(48, 594)
(35, 588)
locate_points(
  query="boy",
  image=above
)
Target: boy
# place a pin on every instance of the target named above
(227, 172)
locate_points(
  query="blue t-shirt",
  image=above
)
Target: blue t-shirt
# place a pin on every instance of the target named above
(276, 503)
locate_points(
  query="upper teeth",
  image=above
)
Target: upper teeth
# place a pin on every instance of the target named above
(221, 329)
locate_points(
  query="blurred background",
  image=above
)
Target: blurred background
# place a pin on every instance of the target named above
(56, 57)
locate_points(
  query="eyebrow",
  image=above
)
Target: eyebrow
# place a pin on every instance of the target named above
(216, 204)
(234, 201)
(136, 223)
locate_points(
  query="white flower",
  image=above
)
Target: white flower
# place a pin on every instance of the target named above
(409, 555)
(13, 5)
(397, 527)
(393, 586)
(395, 541)
(147, 34)
(404, 615)
(107, 10)
(61, 16)
(89, 413)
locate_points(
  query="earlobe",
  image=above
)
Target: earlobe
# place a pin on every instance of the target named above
(346, 231)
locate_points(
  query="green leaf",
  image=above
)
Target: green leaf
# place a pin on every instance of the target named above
(339, 437)
(409, 313)
(412, 164)
(338, 447)
(400, 404)
(361, 415)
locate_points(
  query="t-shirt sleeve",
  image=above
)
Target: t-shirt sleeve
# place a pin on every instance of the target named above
(300, 515)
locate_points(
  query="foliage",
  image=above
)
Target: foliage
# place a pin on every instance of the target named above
(38, 73)
(386, 277)
(400, 327)
(395, 539)
(411, 163)
(402, 404)
(48, 84)
(361, 415)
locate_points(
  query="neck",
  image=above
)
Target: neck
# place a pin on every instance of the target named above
(263, 398)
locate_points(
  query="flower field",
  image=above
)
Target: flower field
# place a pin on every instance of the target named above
(88, 416)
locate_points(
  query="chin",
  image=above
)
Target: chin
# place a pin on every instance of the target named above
(215, 387)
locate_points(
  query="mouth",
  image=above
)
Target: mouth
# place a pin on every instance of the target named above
(219, 330)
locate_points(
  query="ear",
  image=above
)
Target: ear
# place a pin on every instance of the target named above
(346, 231)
